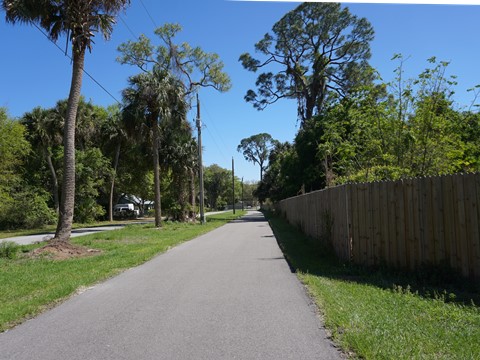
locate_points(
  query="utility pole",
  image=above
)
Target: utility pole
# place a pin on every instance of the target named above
(233, 186)
(200, 163)
(243, 207)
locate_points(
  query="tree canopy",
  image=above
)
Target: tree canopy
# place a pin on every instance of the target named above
(256, 149)
(315, 50)
(79, 21)
(383, 131)
(191, 65)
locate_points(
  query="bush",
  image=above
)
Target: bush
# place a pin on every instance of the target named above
(27, 210)
(8, 249)
(376, 173)
(87, 211)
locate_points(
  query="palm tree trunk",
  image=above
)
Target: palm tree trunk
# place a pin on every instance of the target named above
(67, 203)
(156, 176)
(112, 187)
(53, 174)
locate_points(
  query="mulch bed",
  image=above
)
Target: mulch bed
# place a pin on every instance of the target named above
(62, 250)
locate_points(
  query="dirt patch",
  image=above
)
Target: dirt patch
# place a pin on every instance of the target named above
(60, 250)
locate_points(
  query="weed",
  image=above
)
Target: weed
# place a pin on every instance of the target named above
(8, 249)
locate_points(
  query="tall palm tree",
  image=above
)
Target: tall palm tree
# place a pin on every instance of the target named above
(152, 97)
(179, 154)
(78, 20)
(44, 132)
(113, 136)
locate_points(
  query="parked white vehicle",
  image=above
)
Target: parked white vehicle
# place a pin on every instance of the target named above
(125, 211)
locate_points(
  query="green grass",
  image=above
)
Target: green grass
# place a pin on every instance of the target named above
(51, 228)
(29, 286)
(381, 314)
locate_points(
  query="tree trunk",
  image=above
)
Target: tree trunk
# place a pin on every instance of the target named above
(53, 174)
(156, 176)
(67, 203)
(112, 187)
(192, 195)
(182, 186)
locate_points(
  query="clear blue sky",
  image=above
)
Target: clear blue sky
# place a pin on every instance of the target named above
(33, 72)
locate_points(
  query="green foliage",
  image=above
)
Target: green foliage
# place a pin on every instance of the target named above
(376, 173)
(256, 148)
(196, 67)
(407, 128)
(218, 187)
(8, 249)
(92, 169)
(217, 181)
(13, 149)
(178, 154)
(320, 51)
(20, 205)
(26, 209)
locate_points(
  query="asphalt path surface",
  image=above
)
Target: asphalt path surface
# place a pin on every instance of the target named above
(228, 294)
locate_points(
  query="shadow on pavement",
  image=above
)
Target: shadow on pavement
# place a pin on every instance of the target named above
(256, 217)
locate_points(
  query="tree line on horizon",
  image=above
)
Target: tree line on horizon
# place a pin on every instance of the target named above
(353, 126)
(149, 130)
(110, 166)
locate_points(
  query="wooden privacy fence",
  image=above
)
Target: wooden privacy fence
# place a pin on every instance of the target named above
(403, 224)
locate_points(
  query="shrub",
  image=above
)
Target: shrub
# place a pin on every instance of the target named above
(8, 249)
(27, 210)
(87, 211)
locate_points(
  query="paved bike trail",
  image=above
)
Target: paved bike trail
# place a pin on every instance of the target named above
(228, 294)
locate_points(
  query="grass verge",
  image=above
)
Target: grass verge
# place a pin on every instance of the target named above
(51, 228)
(29, 286)
(379, 314)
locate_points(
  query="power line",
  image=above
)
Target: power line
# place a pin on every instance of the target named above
(148, 13)
(214, 127)
(71, 59)
(128, 27)
(213, 138)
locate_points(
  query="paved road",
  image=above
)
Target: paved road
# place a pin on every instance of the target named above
(30, 239)
(228, 294)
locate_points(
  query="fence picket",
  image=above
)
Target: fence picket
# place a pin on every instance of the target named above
(429, 229)
(392, 236)
(355, 224)
(410, 249)
(471, 221)
(369, 237)
(383, 198)
(376, 238)
(402, 224)
(476, 240)
(449, 222)
(438, 223)
(461, 237)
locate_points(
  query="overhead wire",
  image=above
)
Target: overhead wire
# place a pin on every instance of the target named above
(205, 125)
(128, 27)
(149, 15)
(213, 137)
(216, 145)
(71, 59)
(214, 127)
